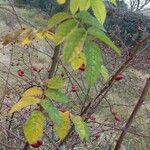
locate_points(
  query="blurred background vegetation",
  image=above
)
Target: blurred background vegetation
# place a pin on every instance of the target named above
(131, 23)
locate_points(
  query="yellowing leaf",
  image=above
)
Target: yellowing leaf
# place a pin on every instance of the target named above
(55, 83)
(74, 44)
(49, 35)
(78, 61)
(62, 129)
(74, 5)
(80, 127)
(34, 126)
(84, 4)
(61, 1)
(57, 18)
(41, 34)
(77, 51)
(34, 91)
(24, 102)
(13, 37)
(64, 29)
(98, 7)
(104, 72)
(26, 41)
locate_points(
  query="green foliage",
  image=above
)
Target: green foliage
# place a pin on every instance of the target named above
(74, 33)
(94, 61)
(53, 113)
(64, 30)
(90, 20)
(84, 5)
(57, 96)
(104, 72)
(56, 19)
(55, 83)
(99, 10)
(80, 127)
(74, 5)
(104, 38)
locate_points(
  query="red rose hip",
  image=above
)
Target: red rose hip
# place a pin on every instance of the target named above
(20, 73)
(37, 144)
(73, 88)
(62, 109)
(118, 77)
(82, 67)
(62, 74)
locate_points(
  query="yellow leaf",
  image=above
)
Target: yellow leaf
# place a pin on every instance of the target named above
(78, 61)
(40, 35)
(61, 1)
(80, 127)
(34, 91)
(26, 41)
(84, 4)
(49, 35)
(77, 52)
(24, 102)
(63, 128)
(34, 126)
(74, 5)
(99, 9)
(55, 82)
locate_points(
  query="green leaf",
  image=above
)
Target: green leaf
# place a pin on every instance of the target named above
(80, 127)
(62, 129)
(74, 5)
(61, 1)
(98, 7)
(57, 18)
(53, 113)
(34, 126)
(87, 18)
(104, 72)
(113, 2)
(24, 102)
(55, 83)
(94, 61)
(84, 4)
(64, 29)
(74, 43)
(57, 96)
(104, 38)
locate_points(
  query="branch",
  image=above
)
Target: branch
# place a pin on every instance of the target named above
(112, 80)
(132, 116)
(54, 61)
